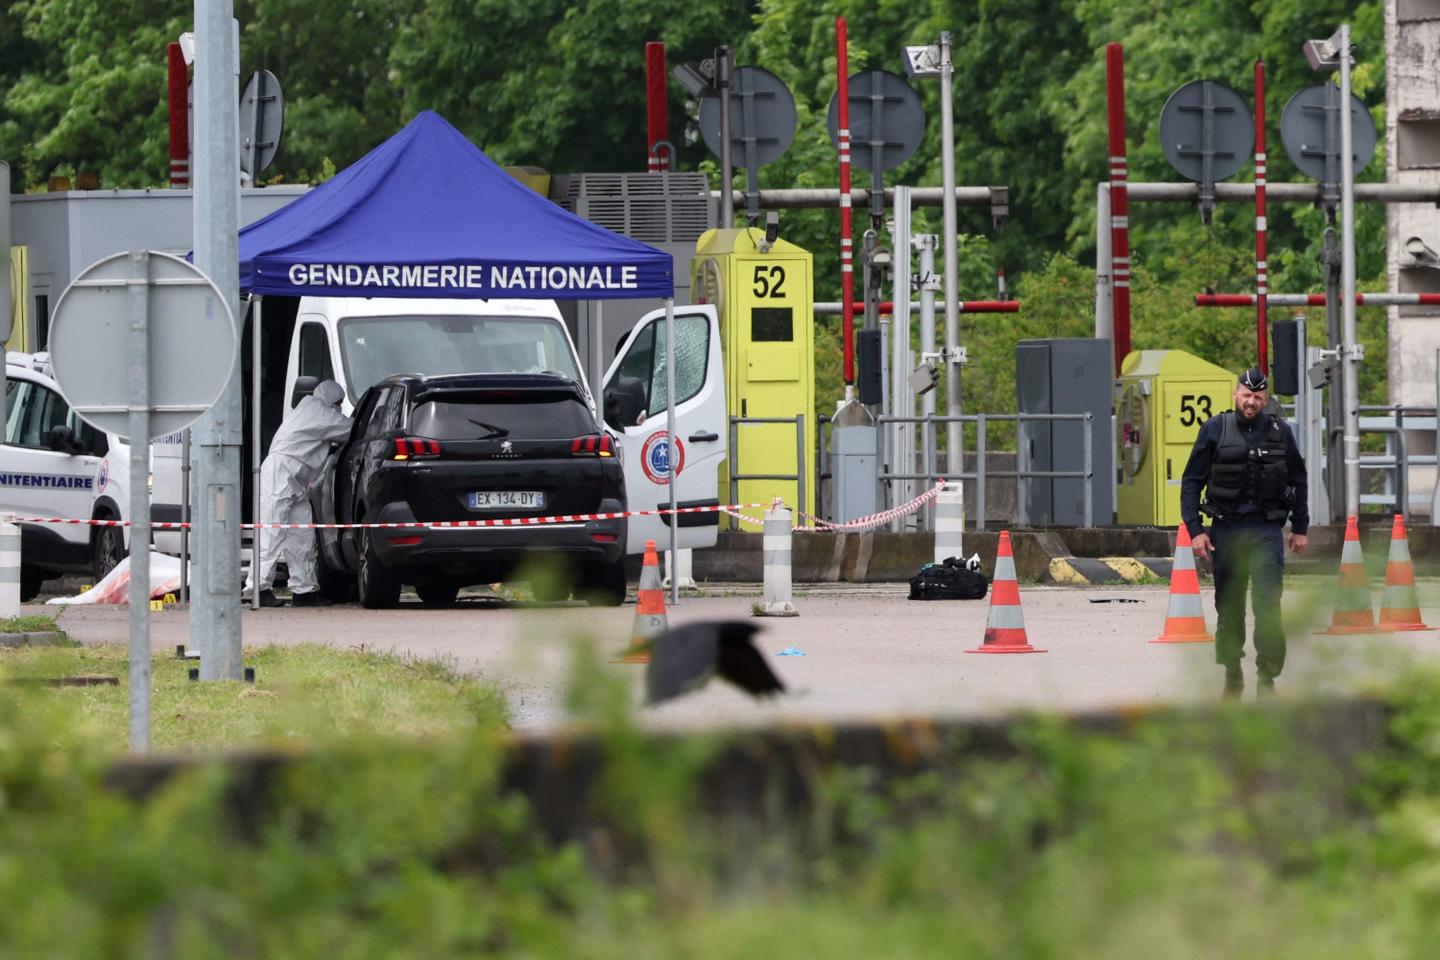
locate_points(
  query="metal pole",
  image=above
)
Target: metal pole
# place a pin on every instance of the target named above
(256, 533)
(1089, 511)
(733, 460)
(220, 435)
(1351, 383)
(979, 473)
(1435, 495)
(597, 359)
(1262, 281)
(672, 462)
(185, 501)
(5, 279)
(954, 435)
(800, 464)
(138, 351)
(902, 401)
(727, 167)
(847, 230)
(1119, 199)
(1104, 290)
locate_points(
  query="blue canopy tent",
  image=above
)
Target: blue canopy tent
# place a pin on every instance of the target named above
(427, 214)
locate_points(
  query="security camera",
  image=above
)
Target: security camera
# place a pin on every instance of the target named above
(772, 230)
(1424, 255)
(1322, 54)
(924, 379)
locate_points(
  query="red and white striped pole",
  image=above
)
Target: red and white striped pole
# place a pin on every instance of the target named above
(1119, 199)
(656, 108)
(1316, 299)
(179, 117)
(1262, 270)
(847, 242)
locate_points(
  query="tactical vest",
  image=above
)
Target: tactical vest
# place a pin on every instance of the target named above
(1245, 471)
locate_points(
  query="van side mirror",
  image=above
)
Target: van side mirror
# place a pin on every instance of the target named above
(61, 439)
(304, 386)
(624, 402)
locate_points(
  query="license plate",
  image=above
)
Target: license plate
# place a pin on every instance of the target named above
(506, 500)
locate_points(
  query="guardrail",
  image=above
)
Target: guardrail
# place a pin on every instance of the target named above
(1397, 460)
(980, 474)
(798, 477)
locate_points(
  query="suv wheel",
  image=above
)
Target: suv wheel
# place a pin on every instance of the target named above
(441, 593)
(379, 587)
(333, 583)
(605, 584)
(107, 549)
(31, 580)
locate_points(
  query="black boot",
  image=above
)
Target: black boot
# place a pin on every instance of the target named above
(1234, 683)
(268, 599)
(313, 599)
(1265, 687)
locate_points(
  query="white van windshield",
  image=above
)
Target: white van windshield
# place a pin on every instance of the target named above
(373, 348)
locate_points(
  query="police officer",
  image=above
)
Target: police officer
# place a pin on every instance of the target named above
(1253, 479)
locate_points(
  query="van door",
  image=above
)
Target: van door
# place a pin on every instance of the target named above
(700, 425)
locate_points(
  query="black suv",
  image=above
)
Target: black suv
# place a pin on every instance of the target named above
(472, 447)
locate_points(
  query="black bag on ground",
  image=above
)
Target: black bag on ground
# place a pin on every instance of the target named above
(948, 581)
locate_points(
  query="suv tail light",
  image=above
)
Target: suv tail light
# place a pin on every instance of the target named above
(415, 448)
(595, 445)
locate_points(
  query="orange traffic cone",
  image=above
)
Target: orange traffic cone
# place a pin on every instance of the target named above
(1352, 603)
(1005, 627)
(650, 619)
(1400, 610)
(1185, 621)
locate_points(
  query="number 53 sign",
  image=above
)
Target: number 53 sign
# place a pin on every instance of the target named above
(1189, 408)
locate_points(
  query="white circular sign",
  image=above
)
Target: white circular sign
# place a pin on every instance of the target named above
(190, 354)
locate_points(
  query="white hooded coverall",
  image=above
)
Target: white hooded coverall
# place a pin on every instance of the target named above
(297, 454)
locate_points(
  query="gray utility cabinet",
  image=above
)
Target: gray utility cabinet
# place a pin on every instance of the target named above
(1065, 376)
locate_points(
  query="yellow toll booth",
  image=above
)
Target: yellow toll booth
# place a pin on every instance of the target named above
(1162, 398)
(763, 292)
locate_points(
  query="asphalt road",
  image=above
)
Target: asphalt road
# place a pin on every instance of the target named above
(868, 651)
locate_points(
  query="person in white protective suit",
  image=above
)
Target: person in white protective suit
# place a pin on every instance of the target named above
(297, 454)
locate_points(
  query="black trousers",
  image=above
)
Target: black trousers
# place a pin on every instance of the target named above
(1249, 552)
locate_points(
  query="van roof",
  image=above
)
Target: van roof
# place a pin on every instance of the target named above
(371, 306)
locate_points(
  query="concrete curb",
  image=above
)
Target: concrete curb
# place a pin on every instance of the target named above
(1086, 571)
(39, 638)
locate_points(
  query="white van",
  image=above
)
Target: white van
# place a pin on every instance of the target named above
(53, 464)
(359, 341)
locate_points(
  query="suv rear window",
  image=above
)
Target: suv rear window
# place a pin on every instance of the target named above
(520, 419)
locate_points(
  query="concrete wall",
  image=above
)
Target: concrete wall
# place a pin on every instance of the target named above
(1412, 144)
(66, 232)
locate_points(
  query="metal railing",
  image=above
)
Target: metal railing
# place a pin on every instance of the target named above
(798, 477)
(981, 475)
(1397, 459)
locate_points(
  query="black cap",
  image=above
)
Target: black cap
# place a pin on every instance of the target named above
(1254, 379)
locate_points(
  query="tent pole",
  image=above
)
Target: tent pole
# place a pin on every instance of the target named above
(597, 359)
(255, 453)
(673, 460)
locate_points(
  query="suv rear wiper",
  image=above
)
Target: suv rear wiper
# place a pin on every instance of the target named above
(495, 432)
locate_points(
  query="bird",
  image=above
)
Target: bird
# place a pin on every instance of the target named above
(685, 658)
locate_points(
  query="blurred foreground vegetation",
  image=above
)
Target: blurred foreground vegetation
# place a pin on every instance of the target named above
(1238, 833)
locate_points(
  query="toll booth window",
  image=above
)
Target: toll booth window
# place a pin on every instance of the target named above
(772, 325)
(315, 353)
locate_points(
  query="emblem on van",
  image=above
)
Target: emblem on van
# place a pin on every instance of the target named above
(506, 446)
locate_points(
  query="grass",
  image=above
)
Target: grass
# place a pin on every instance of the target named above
(304, 694)
(30, 623)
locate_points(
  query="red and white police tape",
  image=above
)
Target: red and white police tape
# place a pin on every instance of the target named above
(412, 525)
(851, 526)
